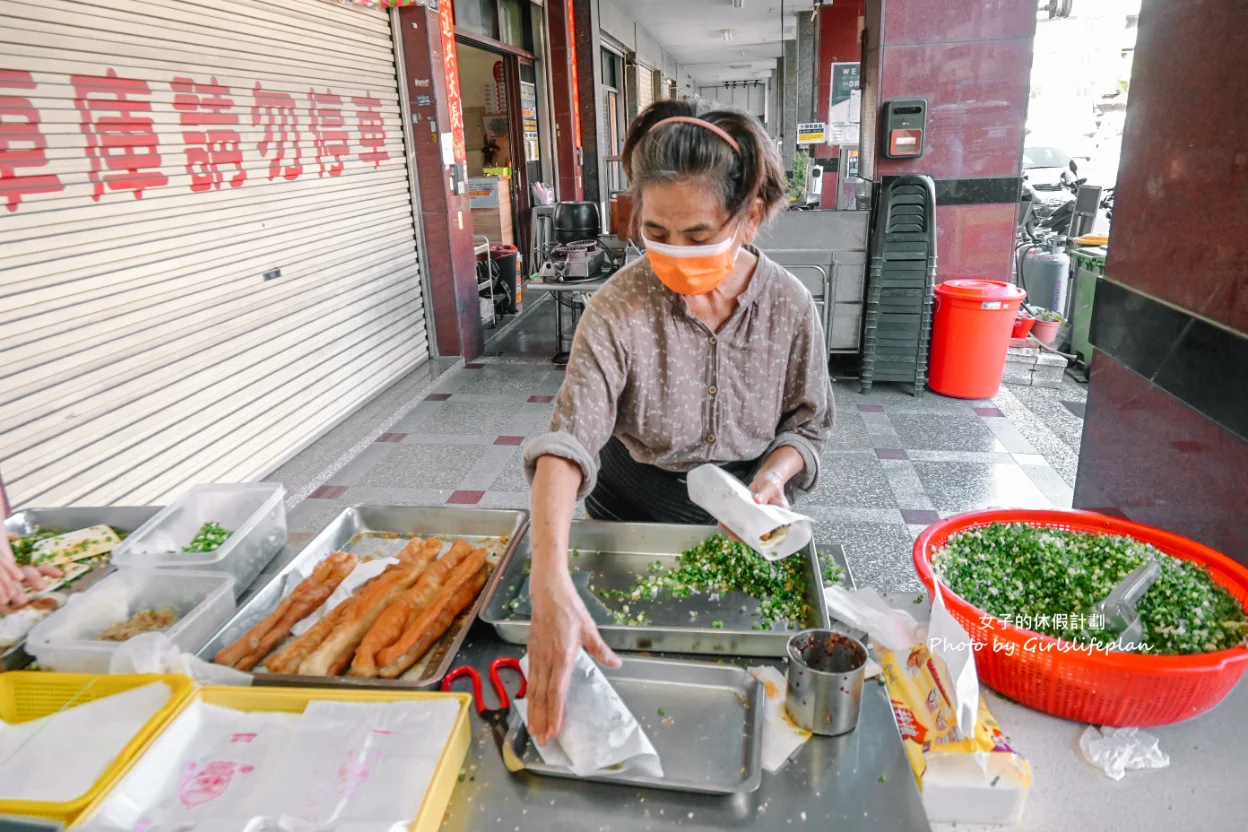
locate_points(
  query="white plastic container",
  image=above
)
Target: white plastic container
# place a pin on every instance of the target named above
(67, 640)
(254, 513)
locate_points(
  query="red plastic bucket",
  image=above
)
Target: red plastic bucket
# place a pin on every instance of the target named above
(970, 334)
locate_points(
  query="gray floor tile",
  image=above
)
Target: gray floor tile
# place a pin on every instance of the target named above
(852, 480)
(1062, 456)
(986, 457)
(422, 438)
(1051, 484)
(424, 466)
(944, 432)
(1009, 436)
(528, 418)
(417, 415)
(896, 400)
(481, 418)
(487, 469)
(1046, 403)
(511, 477)
(356, 471)
(881, 430)
(505, 499)
(904, 482)
(398, 496)
(314, 515)
(968, 486)
(516, 380)
(878, 553)
(850, 432)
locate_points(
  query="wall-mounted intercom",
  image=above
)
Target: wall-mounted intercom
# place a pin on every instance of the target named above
(905, 127)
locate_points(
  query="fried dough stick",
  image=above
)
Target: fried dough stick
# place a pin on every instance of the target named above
(398, 616)
(460, 590)
(306, 597)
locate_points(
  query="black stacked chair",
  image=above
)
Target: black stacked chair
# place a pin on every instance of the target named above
(897, 327)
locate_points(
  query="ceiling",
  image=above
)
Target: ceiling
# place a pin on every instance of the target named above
(690, 31)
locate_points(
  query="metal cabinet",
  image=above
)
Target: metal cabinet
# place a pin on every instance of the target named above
(827, 251)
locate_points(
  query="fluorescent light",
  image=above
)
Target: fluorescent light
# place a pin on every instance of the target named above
(725, 34)
(738, 4)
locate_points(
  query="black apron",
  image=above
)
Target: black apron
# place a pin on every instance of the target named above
(629, 491)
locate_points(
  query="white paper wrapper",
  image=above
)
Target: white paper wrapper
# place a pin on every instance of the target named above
(59, 757)
(600, 736)
(342, 766)
(156, 653)
(727, 499)
(361, 573)
(1117, 750)
(781, 736)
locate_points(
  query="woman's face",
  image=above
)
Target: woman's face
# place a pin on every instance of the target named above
(689, 213)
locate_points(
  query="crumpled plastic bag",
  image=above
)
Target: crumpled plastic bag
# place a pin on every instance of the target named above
(1118, 750)
(156, 653)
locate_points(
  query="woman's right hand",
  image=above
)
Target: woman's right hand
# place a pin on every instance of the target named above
(560, 627)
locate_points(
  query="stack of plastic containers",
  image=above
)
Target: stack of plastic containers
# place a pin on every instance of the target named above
(897, 326)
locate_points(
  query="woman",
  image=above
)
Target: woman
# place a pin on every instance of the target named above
(703, 351)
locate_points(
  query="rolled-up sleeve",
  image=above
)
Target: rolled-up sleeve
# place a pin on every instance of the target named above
(586, 407)
(808, 410)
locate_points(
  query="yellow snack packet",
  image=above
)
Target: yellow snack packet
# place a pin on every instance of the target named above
(975, 779)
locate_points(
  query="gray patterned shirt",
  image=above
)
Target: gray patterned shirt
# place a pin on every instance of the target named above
(645, 369)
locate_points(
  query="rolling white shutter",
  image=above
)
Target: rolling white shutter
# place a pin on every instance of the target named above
(207, 244)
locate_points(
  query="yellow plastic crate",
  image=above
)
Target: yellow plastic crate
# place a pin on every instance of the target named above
(295, 700)
(27, 695)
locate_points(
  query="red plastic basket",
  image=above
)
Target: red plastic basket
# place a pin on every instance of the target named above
(1099, 688)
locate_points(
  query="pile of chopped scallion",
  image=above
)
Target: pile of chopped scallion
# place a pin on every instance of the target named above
(1054, 579)
(717, 565)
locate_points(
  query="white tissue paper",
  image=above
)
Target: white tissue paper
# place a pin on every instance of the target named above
(727, 499)
(781, 736)
(58, 758)
(1117, 750)
(156, 653)
(599, 732)
(362, 767)
(363, 571)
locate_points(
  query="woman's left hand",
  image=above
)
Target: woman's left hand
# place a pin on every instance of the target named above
(768, 489)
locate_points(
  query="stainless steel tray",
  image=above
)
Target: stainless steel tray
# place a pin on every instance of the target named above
(618, 554)
(378, 531)
(709, 738)
(72, 518)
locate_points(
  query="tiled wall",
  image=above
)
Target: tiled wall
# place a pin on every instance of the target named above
(1166, 436)
(971, 60)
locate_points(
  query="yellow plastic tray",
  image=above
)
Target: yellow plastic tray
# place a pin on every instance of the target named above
(295, 700)
(27, 695)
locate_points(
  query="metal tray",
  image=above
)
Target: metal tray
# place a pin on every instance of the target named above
(26, 521)
(378, 531)
(618, 554)
(709, 738)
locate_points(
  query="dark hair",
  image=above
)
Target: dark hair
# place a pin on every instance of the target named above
(680, 151)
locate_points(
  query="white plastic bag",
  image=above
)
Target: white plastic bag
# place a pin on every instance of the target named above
(59, 757)
(599, 731)
(726, 498)
(156, 653)
(1117, 750)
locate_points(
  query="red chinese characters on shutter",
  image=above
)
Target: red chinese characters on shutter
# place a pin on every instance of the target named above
(122, 145)
(212, 142)
(276, 111)
(22, 145)
(329, 134)
(372, 129)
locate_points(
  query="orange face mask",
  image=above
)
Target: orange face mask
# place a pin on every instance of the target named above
(692, 270)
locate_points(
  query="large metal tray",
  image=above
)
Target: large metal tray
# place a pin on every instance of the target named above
(709, 738)
(617, 554)
(26, 521)
(378, 531)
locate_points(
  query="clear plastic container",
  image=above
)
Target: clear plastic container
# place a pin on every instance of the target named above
(254, 513)
(67, 640)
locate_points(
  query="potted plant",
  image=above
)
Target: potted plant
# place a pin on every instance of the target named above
(1046, 326)
(1023, 323)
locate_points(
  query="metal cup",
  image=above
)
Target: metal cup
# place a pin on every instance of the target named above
(825, 681)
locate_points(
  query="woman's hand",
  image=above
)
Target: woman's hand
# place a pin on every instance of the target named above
(15, 580)
(768, 489)
(560, 627)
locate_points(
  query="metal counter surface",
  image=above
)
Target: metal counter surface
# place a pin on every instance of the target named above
(860, 781)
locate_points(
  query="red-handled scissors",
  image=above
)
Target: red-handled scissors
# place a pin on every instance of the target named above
(496, 717)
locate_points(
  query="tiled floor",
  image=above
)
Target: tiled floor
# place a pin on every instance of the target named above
(895, 462)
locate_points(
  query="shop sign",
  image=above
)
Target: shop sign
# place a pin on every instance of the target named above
(450, 64)
(528, 105)
(844, 104)
(812, 133)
